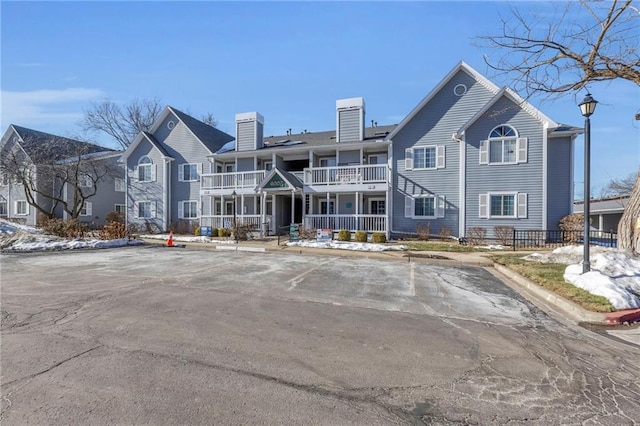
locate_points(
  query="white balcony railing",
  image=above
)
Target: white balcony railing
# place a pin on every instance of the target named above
(374, 173)
(352, 222)
(226, 221)
(234, 180)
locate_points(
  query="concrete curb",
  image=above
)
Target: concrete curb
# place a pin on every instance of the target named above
(239, 248)
(569, 308)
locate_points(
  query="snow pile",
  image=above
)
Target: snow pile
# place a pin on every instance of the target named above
(491, 247)
(343, 245)
(613, 275)
(186, 239)
(16, 237)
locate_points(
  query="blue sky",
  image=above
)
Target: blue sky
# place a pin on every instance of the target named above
(290, 61)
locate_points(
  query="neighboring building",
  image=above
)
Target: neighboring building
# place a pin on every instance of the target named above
(163, 168)
(470, 154)
(29, 145)
(604, 213)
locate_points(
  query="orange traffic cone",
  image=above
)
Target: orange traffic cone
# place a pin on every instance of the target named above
(170, 240)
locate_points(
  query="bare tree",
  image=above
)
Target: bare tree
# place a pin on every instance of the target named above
(122, 123)
(56, 173)
(619, 187)
(587, 42)
(209, 119)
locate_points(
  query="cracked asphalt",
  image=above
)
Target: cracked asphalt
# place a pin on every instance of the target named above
(150, 335)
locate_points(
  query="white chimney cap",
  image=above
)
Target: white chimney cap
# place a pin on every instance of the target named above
(250, 116)
(350, 103)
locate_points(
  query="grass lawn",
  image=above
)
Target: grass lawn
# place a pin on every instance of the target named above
(550, 276)
(450, 246)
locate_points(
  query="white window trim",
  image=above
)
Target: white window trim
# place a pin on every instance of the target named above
(440, 154)
(371, 200)
(119, 185)
(151, 210)
(85, 181)
(123, 208)
(15, 207)
(331, 201)
(227, 203)
(6, 208)
(438, 206)
(503, 163)
(181, 209)
(521, 148)
(150, 164)
(87, 208)
(181, 169)
(520, 205)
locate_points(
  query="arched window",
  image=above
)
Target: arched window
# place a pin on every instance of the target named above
(503, 145)
(146, 169)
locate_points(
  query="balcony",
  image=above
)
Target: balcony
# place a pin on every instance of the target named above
(346, 175)
(231, 181)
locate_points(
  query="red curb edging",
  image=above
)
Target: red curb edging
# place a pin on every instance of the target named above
(619, 317)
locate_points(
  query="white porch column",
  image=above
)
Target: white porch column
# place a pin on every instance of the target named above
(600, 222)
(386, 212)
(242, 207)
(293, 206)
(358, 210)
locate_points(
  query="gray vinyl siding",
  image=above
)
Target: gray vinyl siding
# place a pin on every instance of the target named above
(434, 125)
(246, 136)
(245, 164)
(348, 157)
(559, 203)
(184, 148)
(349, 125)
(163, 131)
(145, 191)
(522, 178)
(106, 197)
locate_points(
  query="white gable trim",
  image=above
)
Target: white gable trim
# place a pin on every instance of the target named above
(462, 66)
(141, 136)
(187, 127)
(513, 96)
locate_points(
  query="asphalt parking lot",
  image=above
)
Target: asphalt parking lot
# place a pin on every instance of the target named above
(149, 335)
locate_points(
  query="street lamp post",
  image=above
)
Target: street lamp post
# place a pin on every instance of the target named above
(235, 223)
(587, 107)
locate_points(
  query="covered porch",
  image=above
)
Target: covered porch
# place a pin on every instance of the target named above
(354, 211)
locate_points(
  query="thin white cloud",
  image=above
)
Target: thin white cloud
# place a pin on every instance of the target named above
(57, 108)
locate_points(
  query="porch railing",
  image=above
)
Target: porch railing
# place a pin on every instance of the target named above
(352, 222)
(232, 180)
(374, 173)
(226, 221)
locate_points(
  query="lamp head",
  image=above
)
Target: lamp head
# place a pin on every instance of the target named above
(588, 105)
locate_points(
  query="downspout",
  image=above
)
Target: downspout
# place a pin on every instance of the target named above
(462, 182)
(545, 164)
(166, 202)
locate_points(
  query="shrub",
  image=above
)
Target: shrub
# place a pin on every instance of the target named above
(361, 236)
(224, 232)
(504, 234)
(379, 238)
(444, 233)
(241, 231)
(196, 232)
(572, 224)
(477, 235)
(308, 233)
(214, 232)
(424, 231)
(344, 235)
(113, 231)
(115, 217)
(72, 228)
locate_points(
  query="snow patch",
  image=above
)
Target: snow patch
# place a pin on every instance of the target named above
(343, 245)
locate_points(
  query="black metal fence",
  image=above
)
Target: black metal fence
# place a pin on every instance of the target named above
(552, 239)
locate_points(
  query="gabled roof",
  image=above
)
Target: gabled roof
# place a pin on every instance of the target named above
(210, 137)
(461, 66)
(293, 183)
(513, 96)
(58, 147)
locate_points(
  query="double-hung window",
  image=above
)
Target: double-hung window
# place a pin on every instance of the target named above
(503, 147)
(119, 185)
(87, 209)
(146, 170)
(425, 157)
(503, 205)
(22, 208)
(188, 209)
(3, 208)
(145, 210)
(188, 172)
(424, 206)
